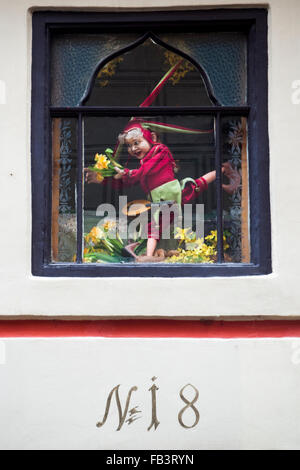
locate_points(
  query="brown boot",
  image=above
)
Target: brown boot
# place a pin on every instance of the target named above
(160, 253)
(149, 259)
(172, 253)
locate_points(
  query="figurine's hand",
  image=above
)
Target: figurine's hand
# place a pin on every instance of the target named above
(233, 176)
(119, 174)
(227, 169)
(91, 176)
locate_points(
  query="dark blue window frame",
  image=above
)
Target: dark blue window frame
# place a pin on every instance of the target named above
(251, 21)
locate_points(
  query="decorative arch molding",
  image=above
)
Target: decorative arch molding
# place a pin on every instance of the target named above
(134, 45)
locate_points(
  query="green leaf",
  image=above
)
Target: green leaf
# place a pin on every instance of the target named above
(141, 247)
(105, 172)
(116, 164)
(105, 258)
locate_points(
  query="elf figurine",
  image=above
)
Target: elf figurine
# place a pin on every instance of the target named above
(156, 175)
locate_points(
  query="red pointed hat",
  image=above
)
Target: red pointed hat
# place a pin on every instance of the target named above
(137, 124)
(145, 126)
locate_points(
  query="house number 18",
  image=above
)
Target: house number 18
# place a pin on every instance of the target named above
(129, 415)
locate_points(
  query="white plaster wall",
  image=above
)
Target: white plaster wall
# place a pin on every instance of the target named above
(54, 391)
(22, 294)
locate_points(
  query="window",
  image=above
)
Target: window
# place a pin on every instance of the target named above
(194, 92)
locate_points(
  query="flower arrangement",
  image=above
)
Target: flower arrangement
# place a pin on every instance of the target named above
(105, 165)
(196, 249)
(104, 245)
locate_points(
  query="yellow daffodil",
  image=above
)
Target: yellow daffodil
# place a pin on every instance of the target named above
(100, 178)
(182, 233)
(102, 161)
(198, 251)
(212, 239)
(199, 242)
(95, 235)
(108, 225)
(212, 236)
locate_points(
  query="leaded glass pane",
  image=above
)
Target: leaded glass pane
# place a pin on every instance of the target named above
(74, 57)
(64, 217)
(223, 56)
(236, 190)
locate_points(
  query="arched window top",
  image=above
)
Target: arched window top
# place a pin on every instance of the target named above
(81, 64)
(146, 72)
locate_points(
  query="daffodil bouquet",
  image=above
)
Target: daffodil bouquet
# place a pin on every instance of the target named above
(197, 250)
(105, 165)
(103, 244)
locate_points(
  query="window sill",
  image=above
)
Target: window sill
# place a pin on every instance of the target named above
(151, 270)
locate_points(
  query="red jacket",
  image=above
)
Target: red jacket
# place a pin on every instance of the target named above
(156, 168)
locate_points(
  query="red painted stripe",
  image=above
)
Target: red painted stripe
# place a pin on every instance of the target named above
(150, 329)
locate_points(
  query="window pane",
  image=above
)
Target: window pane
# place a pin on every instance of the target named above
(74, 58)
(223, 55)
(105, 214)
(236, 200)
(64, 225)
(130, 78)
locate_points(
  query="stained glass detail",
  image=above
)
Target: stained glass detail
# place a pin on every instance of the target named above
(74, 57)
(236, 205)
(223, 56)
(64, 217)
